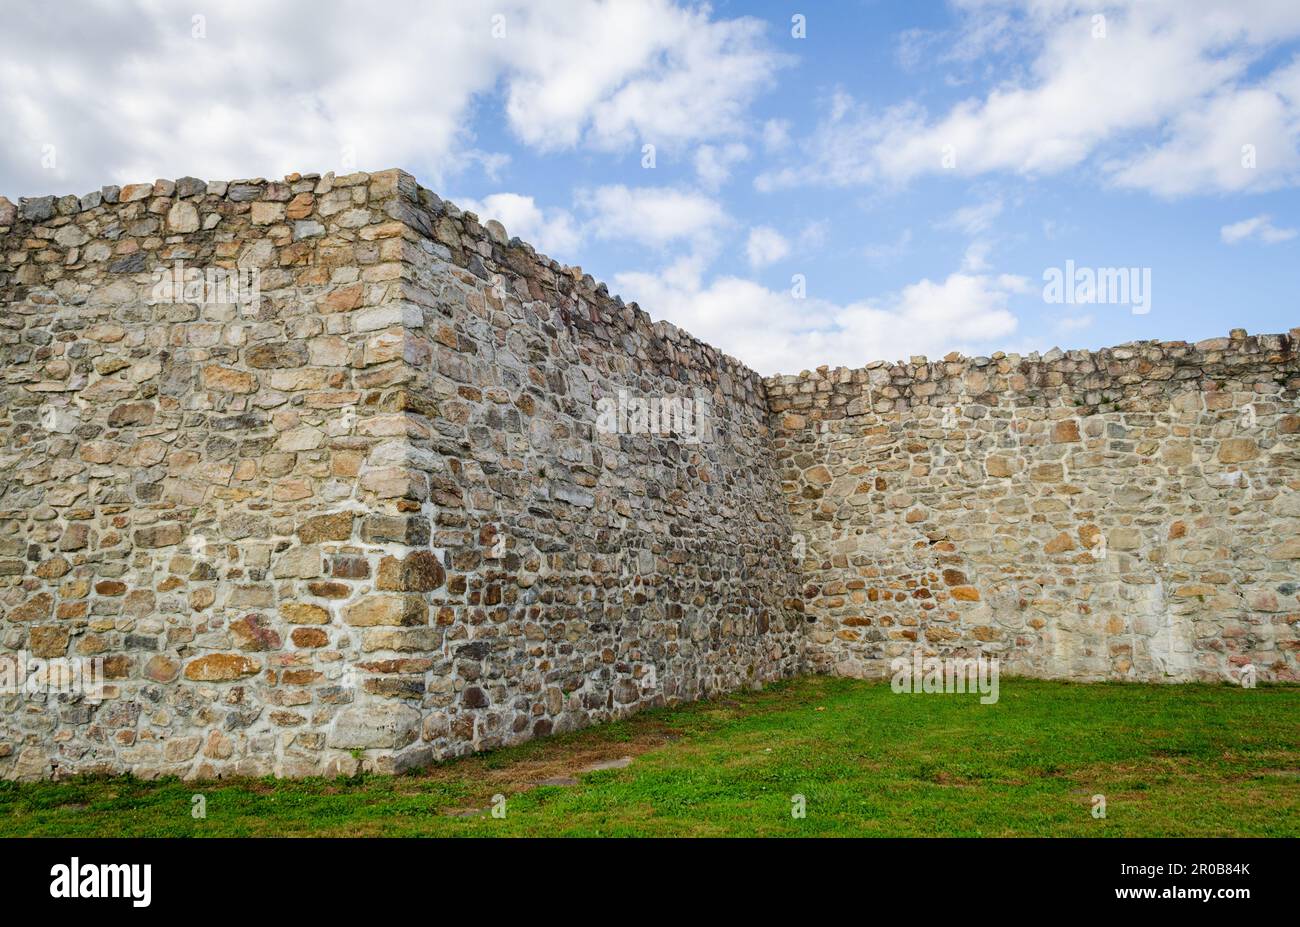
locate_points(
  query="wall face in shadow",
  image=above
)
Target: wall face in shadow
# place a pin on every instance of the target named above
(598, 561)
(1132, 513)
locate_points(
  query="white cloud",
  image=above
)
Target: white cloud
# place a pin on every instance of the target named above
(1236, 140)
(765, 246)
(773, 332)
(659, 217)
(814, 233)
(1258, 228)
(613, 73)
(655, 216)
(975, 260)
(125, 92)
(776, 134)
(552, 231)
(980, 38)
(491, 163)
(975, 218)
(1179, 69)
(713, 163)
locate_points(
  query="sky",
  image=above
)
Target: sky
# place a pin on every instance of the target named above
(797, 183)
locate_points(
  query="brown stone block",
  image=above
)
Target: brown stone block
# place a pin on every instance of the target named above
(346, 464)
(253, 633)
(90, 644)
(165, 534)
(1065, 431)
(305, 613)
(228, 379)
(1238, 450)
(300, 206)
(343, 299)
(328, 590)
(161, 668)
(817, 475)
(70, 611)
(53, 568)
(309, 638)
(419, 572)
(76, 537)
(393, 610)
(37, 608)
(998, 466)
(253, 595)
(350, 566)
(118, 666)
(1287, 550)
(48, 640)
(333, 527)
(277, 355)
(1062, 542)
(141, 602)
(221, 667)
(421, 640)
(1047, 473)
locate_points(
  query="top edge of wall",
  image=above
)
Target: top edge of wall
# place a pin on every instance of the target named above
(608, 307)
(1237, 342)
(393, 183)
(401, 184)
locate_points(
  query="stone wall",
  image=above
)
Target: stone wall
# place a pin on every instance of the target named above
(1132, 513)
(375, 513)
(365, 518)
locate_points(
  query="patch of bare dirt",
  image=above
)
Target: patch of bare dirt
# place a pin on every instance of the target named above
(553, 763)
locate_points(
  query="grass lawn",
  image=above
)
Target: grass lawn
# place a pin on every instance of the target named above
(1176, 760)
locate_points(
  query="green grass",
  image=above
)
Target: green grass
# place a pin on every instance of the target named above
(1177, 760)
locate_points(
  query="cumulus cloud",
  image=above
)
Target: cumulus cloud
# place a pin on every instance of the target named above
(765, 246)
(613, 73)
(655, 216)
(713, 163)
(667, 219)
(776, 134)
(1170, 93)
(138, 89)
(552, 231)
(976, 257)
(1258, 228)
(1237, 140)
(814, 233)
(775, 331)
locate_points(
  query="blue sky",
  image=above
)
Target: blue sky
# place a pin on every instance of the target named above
(918, 166)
